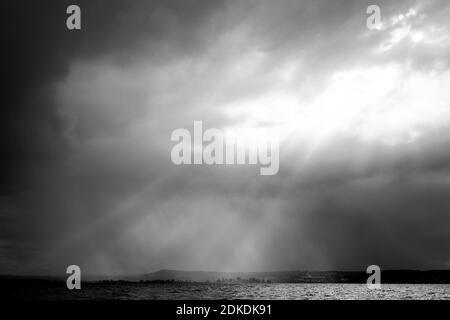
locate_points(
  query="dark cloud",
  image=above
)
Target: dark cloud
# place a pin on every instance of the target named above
(38, 52)
(87, 118)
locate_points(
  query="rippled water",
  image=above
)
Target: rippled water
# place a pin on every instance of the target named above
(239, 291)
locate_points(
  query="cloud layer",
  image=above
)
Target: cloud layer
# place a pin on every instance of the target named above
(363, 115)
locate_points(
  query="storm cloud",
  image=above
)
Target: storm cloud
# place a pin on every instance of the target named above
(363, 115)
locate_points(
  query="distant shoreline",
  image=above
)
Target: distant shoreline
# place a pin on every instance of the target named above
(177, 276)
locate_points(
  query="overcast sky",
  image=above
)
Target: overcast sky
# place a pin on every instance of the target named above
(363, 116)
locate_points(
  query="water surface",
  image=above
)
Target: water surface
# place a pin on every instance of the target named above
(276, 291)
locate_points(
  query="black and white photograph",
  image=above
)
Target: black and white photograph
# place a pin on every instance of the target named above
(225, 150)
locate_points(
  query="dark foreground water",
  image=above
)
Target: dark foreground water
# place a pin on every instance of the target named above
(290, 291)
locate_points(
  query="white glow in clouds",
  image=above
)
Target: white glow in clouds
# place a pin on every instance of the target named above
(384, 103)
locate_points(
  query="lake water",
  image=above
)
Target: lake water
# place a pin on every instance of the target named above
(265, 291)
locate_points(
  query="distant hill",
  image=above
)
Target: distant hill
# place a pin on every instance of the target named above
(196, 276)
(387, 276)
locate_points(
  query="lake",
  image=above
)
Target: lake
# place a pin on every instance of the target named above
(264, 291)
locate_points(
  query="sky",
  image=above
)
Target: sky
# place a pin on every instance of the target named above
(363, 118)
